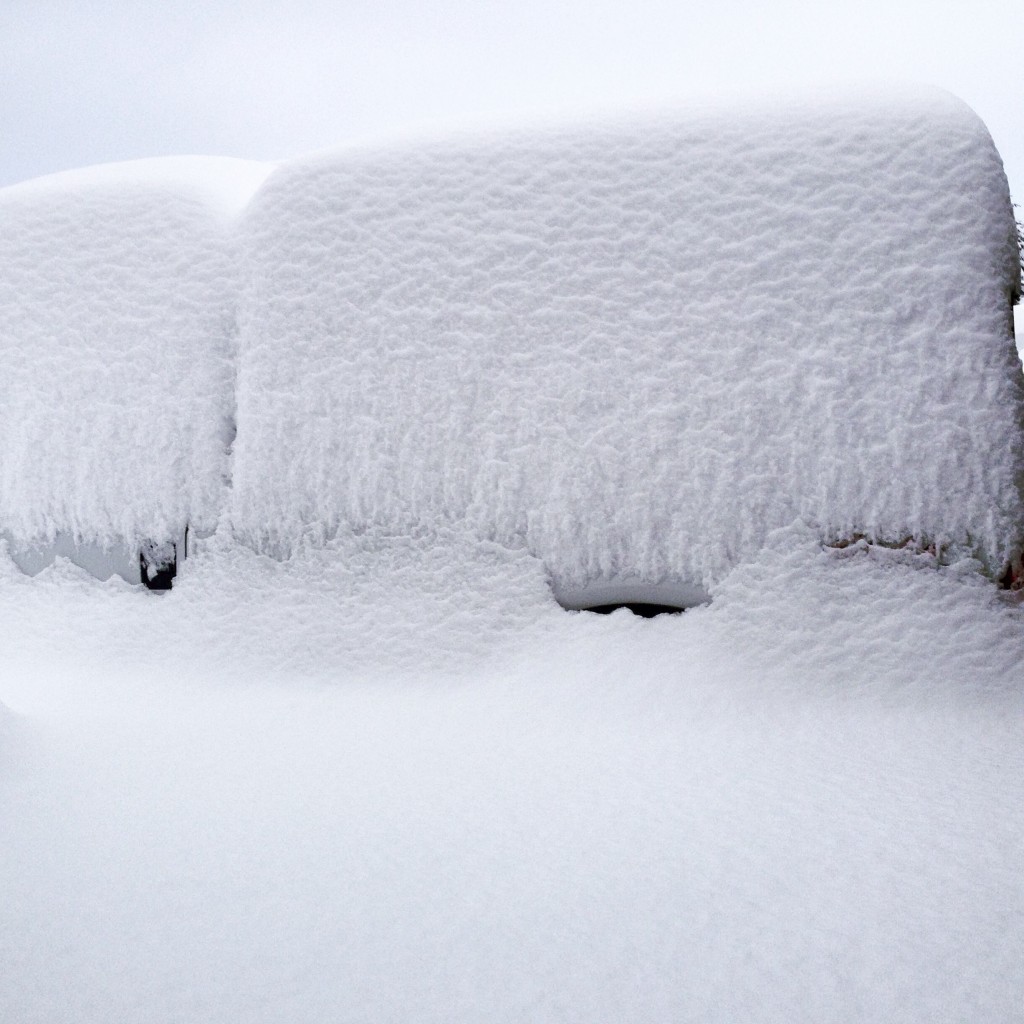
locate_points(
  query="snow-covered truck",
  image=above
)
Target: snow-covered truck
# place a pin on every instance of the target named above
(634, 347)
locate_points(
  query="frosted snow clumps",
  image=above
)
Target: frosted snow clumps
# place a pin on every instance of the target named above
(638, 347)
(633, 348)
(118, 288)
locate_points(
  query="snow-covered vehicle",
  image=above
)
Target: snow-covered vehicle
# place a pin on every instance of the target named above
(359, 765)
(633, 348)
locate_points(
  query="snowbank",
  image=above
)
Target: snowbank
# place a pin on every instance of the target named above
(117, 295)
(636, 348)
(357, 794)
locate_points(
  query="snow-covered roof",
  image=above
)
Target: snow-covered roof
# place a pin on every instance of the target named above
(637, 347)
(634, 347)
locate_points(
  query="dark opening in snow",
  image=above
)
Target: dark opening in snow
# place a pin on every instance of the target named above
(158, 564)
(641, 598)
(647, 611)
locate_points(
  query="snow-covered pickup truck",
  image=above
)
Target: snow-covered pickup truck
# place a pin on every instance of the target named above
(632, 347)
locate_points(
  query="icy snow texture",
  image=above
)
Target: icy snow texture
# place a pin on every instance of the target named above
(117, 294)
(636, 348)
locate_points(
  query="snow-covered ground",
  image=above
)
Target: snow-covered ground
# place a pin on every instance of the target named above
(400, 783)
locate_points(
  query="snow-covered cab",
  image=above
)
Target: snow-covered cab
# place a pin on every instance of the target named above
(117, 295)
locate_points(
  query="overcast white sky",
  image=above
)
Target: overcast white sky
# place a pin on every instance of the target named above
(92, 82)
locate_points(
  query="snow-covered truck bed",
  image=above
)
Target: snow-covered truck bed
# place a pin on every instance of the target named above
(637, 347)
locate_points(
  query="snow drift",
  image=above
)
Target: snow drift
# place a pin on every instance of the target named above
(638, 347)
(341, 789)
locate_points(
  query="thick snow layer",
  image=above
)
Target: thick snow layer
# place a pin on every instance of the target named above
(632, 349)
(637, 348)
(117, 301)
(222, 182)
(407, 786)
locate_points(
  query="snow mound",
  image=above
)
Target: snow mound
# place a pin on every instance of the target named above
(803, 802)
(637, 348)
(117, 295)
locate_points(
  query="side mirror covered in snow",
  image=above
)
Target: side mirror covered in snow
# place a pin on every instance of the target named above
(158, 565)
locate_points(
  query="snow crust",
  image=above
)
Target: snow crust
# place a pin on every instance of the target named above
(637, 348)
(118, 288)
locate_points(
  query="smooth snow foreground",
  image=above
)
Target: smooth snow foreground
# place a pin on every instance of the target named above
(342, 788)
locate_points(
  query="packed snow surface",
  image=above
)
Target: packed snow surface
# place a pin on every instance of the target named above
(638, 347)
(392, 780)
